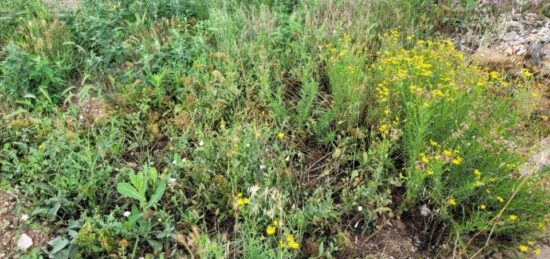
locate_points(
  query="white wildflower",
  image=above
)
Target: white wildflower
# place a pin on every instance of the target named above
(24, 217)
(126, 214)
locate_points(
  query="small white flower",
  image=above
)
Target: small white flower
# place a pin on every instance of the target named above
(287, 158)
(24, 242)
(24, 217)
(262, 167)
(359, 208)
(174, 162)
(126, 214)
(201, 143)
(172, 180)
(247, 145)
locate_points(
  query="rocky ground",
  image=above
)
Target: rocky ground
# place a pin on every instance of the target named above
(16, 232)
(519, 42)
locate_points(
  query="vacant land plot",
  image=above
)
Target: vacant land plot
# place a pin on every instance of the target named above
(274, 129)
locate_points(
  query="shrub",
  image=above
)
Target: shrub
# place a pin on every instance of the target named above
(22, 73)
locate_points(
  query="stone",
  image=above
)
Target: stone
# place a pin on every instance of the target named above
(24, 242)
(510, 36)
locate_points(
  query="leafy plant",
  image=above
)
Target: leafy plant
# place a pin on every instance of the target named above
(139, 184)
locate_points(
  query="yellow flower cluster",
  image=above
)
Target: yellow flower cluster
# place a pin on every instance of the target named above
(479, 181)
(530, 244)
(240, 200)
(271, 229)
(290, 242)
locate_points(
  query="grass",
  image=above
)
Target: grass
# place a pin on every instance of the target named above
(259, 129)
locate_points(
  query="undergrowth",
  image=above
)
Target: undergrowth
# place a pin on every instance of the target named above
(259, 129)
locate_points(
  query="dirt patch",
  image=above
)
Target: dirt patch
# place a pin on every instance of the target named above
(13, 226)
(94, 110)
(63, 5)
(392, 240)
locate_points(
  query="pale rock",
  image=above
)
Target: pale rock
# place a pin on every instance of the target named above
(24, 242)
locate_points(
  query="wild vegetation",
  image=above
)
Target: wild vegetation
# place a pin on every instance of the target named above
(261, 129)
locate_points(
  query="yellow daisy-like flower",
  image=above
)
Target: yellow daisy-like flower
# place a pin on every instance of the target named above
(523, 248)
(275, 223)
(424, 158)
(447, 153)
(531, 243)
(500, 199)
(429, 171)
(536, 251)
(482, 206)
(513, 217)
(246, 201)
(281, 135)
(452, 202)
(433, 143)
(270, 231)
(457, 161)
(477, 173)
(240, 202)
(384, 129)
(292, 242)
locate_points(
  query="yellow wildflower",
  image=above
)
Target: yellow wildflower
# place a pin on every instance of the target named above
(482, 206)
(275, 223)
(500, 199)
(477, 173)
(536, 251)
(452, 202)
(239, 195)
(447, 153)
(479, 183)
(424, 158)
(292, 242)
(457, 161)
(270, 231)
(281, 135)
(531, 243)
(384, 129)
(523, 248)
(513, 217)
(433, 143)
(240, 202)
(429, 171)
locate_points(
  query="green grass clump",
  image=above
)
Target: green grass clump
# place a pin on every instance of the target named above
(258, 129)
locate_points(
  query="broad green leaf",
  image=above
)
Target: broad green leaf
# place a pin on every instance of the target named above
(157, 195)
(127, 190)
(138, 182)
(57, 244)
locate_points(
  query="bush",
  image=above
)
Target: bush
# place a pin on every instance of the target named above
(22, 73)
